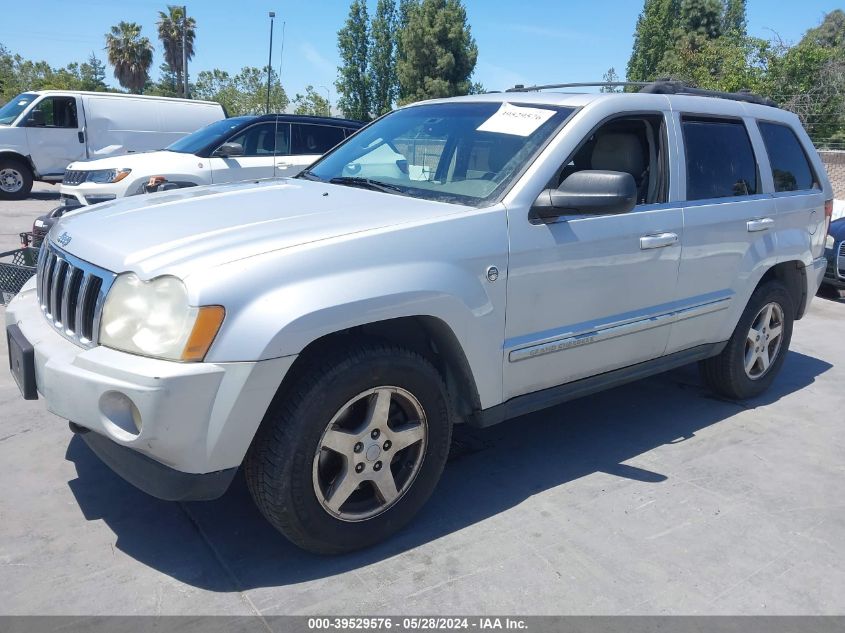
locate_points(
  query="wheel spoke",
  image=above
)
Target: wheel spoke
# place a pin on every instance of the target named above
(385, 484)
(379, 409)
(767, 316)
(764, 357)
(339, 441)
(775, 332)
(341, 489)
(750, 360)
(753, 337)
(406, 436)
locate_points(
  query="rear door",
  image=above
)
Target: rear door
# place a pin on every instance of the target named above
(729, 227)
(259, 145)
(308, 143)
(54, 133)
(797, 191)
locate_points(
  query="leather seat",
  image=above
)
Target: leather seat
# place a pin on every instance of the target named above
(617, 151)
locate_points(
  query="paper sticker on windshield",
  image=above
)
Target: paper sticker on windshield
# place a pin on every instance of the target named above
(516, 120)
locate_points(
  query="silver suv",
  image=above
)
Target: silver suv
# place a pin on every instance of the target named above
(460, 260)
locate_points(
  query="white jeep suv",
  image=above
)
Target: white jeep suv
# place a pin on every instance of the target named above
(239, 148)
(460, 260)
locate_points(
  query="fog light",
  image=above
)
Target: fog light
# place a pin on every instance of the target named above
(122, 418)
(97, 199)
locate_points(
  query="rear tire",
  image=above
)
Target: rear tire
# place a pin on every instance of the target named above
(757, 349)
(15, 179)
(321, 465)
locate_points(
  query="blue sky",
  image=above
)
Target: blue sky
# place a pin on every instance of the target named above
(532, 41)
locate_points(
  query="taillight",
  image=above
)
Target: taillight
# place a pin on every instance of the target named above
(828, 215)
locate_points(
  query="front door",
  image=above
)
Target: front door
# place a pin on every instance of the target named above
(54, 134)
(259, 145)
(590, 294)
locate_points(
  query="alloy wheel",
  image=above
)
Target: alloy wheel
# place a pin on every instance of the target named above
(370, 453)
(763, 343)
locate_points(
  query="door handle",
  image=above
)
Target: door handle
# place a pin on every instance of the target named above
(283, 164)
(81, 136)
(658, 240)
(763, 224)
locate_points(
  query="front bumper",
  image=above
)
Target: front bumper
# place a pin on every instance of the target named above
(89, 193)
(194, 418)
(834, 274)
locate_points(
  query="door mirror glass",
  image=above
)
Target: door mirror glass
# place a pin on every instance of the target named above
(228, 150)
(586, 192)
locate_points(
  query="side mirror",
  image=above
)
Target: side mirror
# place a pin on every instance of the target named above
(587, 192)
(229, 149)
(35, 119)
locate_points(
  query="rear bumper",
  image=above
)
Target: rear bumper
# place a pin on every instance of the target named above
(153, 477)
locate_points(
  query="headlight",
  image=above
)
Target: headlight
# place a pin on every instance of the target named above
(153, 318)
(104, 176)
(829, 242)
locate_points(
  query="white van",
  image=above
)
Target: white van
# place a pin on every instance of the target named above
(42, 132)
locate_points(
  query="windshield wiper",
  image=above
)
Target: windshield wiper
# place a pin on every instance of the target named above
(308, 175)
(367, 183)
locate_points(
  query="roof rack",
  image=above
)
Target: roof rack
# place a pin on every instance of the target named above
(662, 87)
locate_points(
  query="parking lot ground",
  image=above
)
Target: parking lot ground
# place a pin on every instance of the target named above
(652, 498)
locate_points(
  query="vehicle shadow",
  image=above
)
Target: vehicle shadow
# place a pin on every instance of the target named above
(490, 471)
(828, 292)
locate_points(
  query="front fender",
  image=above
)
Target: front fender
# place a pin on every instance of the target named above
(287, 300)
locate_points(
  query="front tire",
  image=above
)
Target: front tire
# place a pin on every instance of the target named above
(757, 349)
(15, 179)
(352, 449)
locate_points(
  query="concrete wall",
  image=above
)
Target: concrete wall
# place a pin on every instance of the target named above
(834, 161)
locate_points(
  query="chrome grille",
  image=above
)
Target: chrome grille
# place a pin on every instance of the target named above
(71, 294)
(74, 177)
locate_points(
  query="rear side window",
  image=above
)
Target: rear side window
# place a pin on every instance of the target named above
(720, 160)
(791, 170)
(315, 139)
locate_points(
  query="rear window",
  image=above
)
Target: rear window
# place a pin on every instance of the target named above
(791, 170)
(315, 139)
(720, 160)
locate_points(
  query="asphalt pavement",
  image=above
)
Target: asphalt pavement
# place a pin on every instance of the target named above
(653, 498)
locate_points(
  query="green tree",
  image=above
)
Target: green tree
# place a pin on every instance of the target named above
(382, 63)
(652, 38)
(244, 93)
(171, 26)
(131, 54)
(438, 52)
(353, 83)
(93, 75)
(734, 19)
(610, 76)
(311, 103)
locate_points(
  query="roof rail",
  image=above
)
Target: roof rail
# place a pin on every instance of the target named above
(660, 86)
(675, 87)
(588, 84)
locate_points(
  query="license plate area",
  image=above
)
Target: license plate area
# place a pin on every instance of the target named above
(22, 362)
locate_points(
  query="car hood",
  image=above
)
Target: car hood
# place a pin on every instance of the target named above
(159, 160)
(180, 231)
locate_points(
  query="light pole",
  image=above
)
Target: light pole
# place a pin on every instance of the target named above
(328, 98)
(185, 52)
(270, 61)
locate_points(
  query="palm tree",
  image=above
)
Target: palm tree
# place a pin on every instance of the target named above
(130, 54)
(170, 26)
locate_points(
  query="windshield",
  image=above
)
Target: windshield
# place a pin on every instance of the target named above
(465, 153)
(214, 133)
(10, 111)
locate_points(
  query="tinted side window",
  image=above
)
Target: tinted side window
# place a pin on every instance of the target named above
(257, 140)
(315, 139)
(790, 168)
(720, 160)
